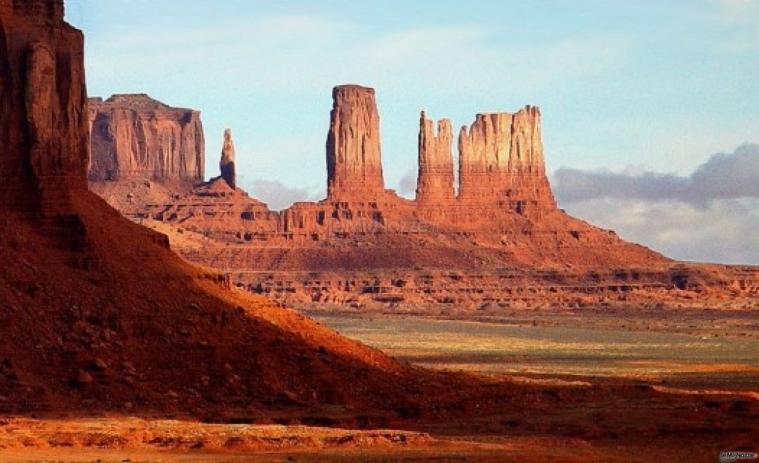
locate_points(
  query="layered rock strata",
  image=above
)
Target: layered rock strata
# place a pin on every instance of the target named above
(135, 137)
(354, 165)
(435, 181)
(501, 242)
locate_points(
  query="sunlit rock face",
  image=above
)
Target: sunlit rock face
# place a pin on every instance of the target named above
(354, 165)
(501, 160)
(435, 179)
(137, 137)
(499, 241)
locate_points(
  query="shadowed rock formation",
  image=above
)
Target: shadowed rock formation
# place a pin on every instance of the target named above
(435, 179)
(227, 162)
(135, 137)
(42, 100)
(98, 315)
(354, 166)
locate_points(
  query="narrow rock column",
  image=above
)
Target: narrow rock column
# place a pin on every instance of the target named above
(435, 179)
(354, 165)
(227, 162)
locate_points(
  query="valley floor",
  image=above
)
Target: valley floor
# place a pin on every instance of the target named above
(699, 350)
(712, 357)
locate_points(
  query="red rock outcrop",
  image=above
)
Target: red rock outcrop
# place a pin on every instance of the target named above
(227, 162)
(435, 179)
(98, 315)
(135, 137)
(501, 243)
(354, 165)
(501, 161)
(42, 98)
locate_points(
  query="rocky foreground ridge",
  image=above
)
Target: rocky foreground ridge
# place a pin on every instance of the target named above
(496, 240)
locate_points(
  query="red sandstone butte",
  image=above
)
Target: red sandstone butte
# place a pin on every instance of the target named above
(501, 160)
(42, 101)
(501, 243)
(354, 165)
(135, 137)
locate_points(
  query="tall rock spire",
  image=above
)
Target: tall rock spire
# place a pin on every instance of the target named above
(435, 179)
(501, 160)
(227, 162)
(354, 164)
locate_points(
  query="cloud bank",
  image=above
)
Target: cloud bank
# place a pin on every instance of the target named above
(710, 215)
(723, 176)
(277, 195)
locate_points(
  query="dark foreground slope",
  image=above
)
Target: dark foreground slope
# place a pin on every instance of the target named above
(96, 313)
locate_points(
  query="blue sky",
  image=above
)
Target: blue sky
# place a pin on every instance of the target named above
(643, 85)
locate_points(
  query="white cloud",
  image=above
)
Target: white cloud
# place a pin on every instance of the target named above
(733, 175)
(407, 184)
(724, 231)
(711, 215)
(277, 195)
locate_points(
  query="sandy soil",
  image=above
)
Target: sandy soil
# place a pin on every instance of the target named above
(137, 440)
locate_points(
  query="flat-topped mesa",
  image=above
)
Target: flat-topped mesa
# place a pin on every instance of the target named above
(435, 179)
(227, 162)
(43, 130)
(137, 137)
(354, 164)
(501, 161)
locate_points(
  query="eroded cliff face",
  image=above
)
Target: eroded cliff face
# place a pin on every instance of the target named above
(501, 161)
(135, 137)
(354, 165)
(42, 96)
(435, 178)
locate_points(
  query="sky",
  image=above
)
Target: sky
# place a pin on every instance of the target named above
(640, 90)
